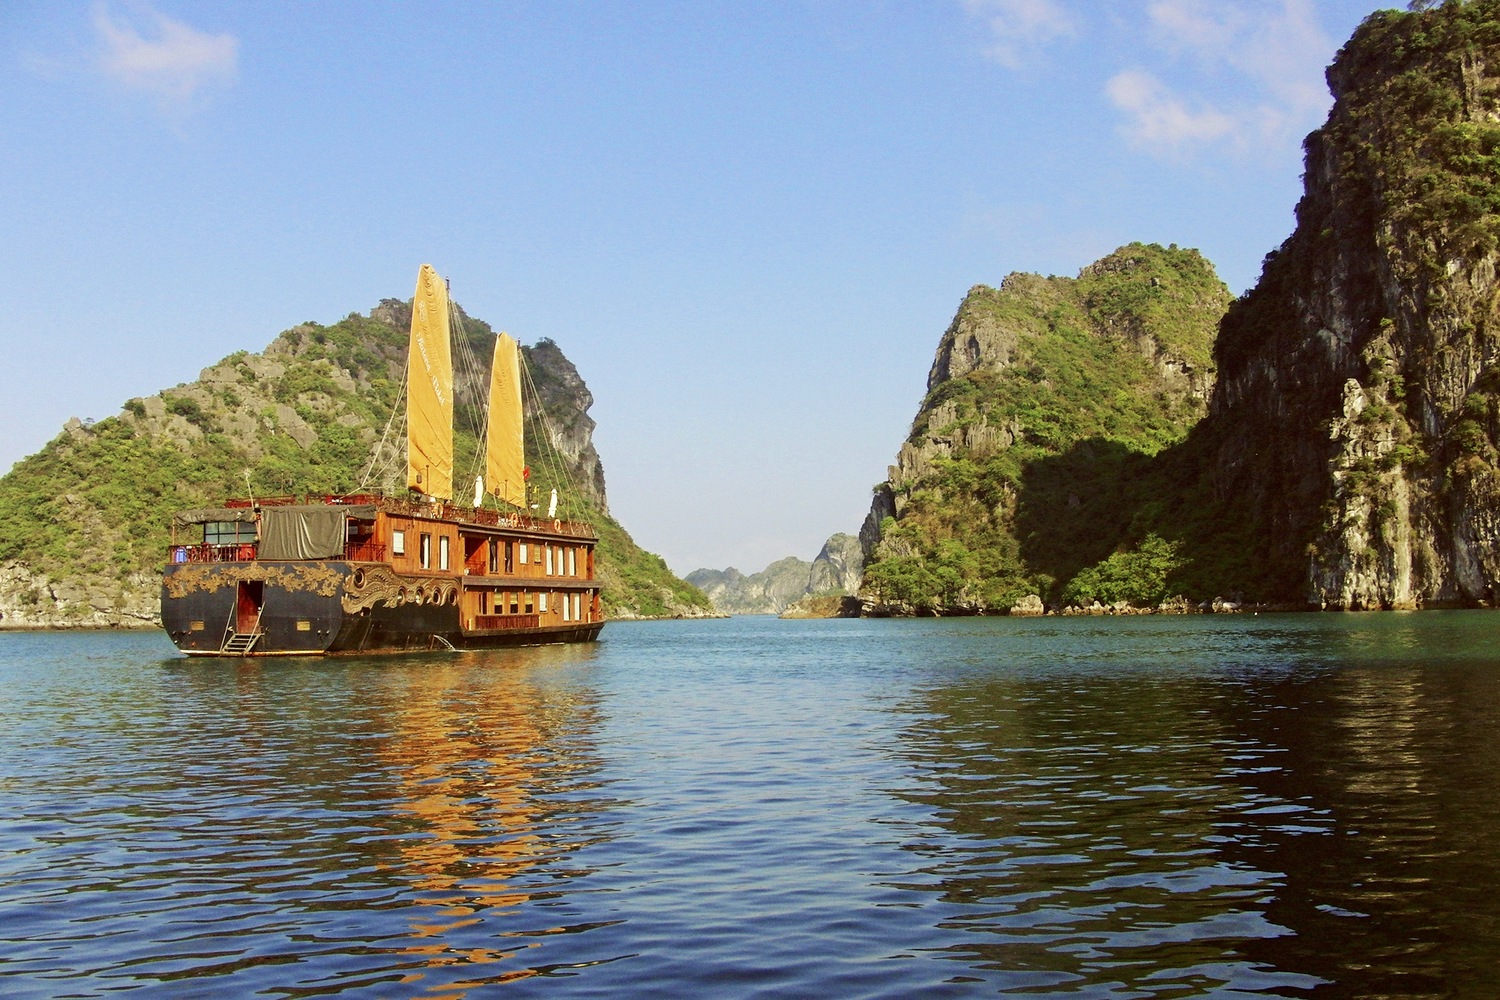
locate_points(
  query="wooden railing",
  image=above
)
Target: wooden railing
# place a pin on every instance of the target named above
(210, 553)
(247, 552)
(506, 621)
(448, 511)
(364, 552)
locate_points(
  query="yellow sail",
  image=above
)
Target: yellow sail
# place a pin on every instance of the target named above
(504, 465)
(429, 400)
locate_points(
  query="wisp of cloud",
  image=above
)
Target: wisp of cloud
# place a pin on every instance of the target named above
(176, 64)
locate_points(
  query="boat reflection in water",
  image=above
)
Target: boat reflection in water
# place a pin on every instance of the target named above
(427, 810)
(481, 769)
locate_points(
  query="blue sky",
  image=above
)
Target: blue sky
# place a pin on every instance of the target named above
(747, 223)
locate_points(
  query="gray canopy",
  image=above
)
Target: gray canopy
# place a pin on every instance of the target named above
(294, 531)
(212, 515)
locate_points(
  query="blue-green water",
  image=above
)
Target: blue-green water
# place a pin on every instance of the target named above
(1302, 805)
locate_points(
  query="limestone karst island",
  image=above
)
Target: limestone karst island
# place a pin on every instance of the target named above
(1130, 438)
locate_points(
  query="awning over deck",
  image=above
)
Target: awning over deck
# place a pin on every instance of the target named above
(211, 515)
(290, 531)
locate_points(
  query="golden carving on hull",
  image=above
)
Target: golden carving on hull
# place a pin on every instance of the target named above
(192, 578)
(372, 585)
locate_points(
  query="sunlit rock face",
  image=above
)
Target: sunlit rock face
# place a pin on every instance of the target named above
(1356, 409)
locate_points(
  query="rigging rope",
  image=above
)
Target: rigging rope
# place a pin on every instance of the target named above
(397, 407)
(561, 477)
(475, 376)
(384, 461)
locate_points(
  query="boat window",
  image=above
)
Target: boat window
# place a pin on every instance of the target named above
(424, 550)
(228, 533)
(573, 565)
(542, 603)
(398, 543)
(484, 602)
(577, 607)
(549, 563)
(515, 605)
(494, 556)
(442, 552)
(510, 560)
(523, 553)
(530, 604)
(565, 607)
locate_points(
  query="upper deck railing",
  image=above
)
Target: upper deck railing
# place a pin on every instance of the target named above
(478, 516)
(360, 551)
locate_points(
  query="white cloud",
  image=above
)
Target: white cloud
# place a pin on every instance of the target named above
(1191, 25)
(1019, 28)
(1268, 54)
(1159, 118)
(170, 60)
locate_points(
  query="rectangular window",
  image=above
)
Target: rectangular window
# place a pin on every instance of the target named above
(549, 560)
(424, 550)
(542, 603)
(398, 543)
(530, 604)
(228, 533)
(442, 552)
(565, 607)
(484, 602)
(572, 563)
(510, 557)
(515, 607)
(494, 556)
(523, 553)
(577, 607)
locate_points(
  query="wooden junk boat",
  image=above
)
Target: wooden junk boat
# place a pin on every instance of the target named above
(367, 573)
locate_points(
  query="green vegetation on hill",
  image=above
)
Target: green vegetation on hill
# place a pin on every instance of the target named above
(1352, 455)
(1025, 463)
(94, 505)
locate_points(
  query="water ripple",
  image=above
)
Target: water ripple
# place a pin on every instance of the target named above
(1283, 806)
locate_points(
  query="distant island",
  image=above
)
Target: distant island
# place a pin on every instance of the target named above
(788, 585)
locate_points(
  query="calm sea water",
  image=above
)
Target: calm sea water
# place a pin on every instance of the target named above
(1302, 805)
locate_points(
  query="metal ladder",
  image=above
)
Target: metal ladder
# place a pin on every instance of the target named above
(240, 643)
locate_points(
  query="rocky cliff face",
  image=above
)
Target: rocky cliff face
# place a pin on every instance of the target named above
(767, 592)
(1355, 420)
(835, 571)
(565, 400)
(29, 599)
(1039, 391)
(838, 567)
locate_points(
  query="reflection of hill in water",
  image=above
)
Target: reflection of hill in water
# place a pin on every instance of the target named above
(1273, 826)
